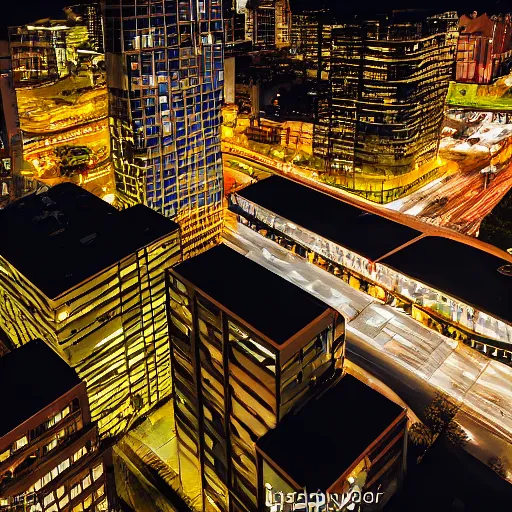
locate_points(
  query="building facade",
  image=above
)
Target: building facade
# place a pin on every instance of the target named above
(392, 262)
(388, 79)
(33, 53)
(311, 33)
(269, 23)
(49, 450)
(241, 363)
(484, 48)
(95, 293)
(61, 104)
(362, 476)
(165, 69)
(90, 16)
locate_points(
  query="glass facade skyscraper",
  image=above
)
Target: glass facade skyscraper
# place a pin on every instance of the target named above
(388, 80)
(165, 63)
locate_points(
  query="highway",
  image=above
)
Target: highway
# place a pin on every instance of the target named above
(464, 203)
(411, 359)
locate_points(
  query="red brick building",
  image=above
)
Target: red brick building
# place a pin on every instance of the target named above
(49, 452)
(484, 47)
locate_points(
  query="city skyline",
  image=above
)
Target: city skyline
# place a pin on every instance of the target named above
(255, 256)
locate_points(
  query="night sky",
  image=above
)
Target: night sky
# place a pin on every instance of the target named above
(19, 12)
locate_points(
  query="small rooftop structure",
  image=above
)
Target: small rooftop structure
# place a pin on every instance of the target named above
(462, 271)
(59, 238)
(317, 444)
(364, 233)
(32, 377)
(260, 298)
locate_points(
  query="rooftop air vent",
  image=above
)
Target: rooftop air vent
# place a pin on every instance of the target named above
(88, 239)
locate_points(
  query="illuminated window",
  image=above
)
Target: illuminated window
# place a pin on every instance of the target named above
(102, 506)
(48, 499)
(75, 491)
(64, 465)
(97, 472)
(50, 446)
(20, 443)
(54, 420)
(99, 492)
(86, 482)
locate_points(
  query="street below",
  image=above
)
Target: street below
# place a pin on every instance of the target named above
(406, 356)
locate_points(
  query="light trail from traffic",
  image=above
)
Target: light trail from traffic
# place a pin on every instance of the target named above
(458, 202)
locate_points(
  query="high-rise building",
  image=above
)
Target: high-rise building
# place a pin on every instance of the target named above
(484, 48)
(234, 22)
(165, 71)
(89, 280)
(388, 81)
(243, 357)
(49, 450)
(61, 105)
(269, 23)
(90, 16)
(34, 51)
(311, 41)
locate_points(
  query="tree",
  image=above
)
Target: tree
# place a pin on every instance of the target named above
(439, 417)
(497, 464)
(421, 435)
(456, 435)
(440, 413)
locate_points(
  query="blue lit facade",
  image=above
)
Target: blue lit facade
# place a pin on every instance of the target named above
(169, 60)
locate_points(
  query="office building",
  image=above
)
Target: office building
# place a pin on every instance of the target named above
(49, 450)
(90, 16)
(311, 32)
(389, 261)
(89, 280)
(42, 52)
(234, 23)
(269, 23)
(34, 53)
(61, 105)
(248, 348)
(165, 72)
(349, 445)
(388, 79)
(484, 48)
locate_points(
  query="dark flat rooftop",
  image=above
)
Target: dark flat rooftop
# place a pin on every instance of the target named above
(60, 238)
(318, 444)
(459, 270)
(267, 302)
(366, 234)
(31, 378)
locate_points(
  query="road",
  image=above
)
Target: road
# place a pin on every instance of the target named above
(466, 201)
(411, 359)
